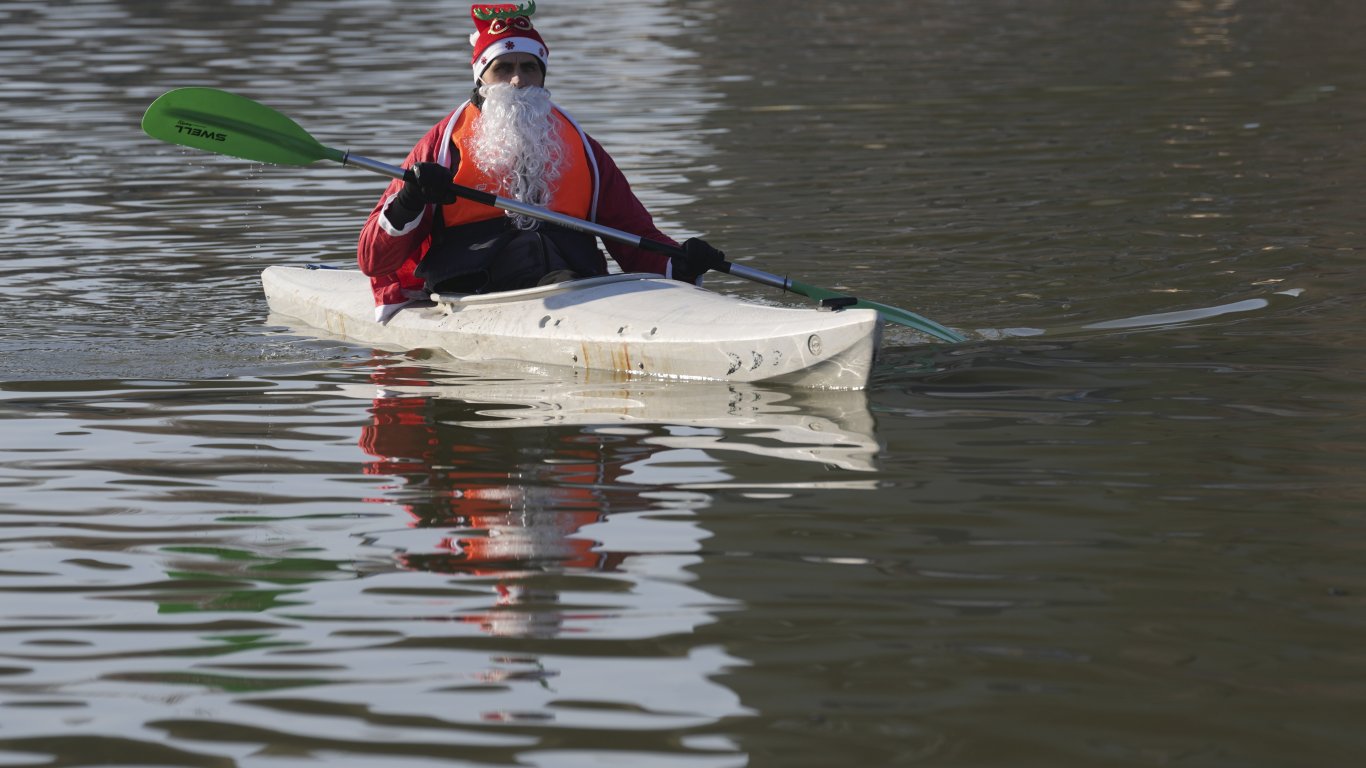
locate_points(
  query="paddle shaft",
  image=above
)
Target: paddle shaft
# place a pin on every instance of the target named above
(569, 222)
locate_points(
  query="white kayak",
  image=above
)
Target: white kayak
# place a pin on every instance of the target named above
(642, 325)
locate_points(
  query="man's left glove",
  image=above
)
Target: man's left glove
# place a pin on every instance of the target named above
(698, 257)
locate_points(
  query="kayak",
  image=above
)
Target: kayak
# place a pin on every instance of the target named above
(636, 324)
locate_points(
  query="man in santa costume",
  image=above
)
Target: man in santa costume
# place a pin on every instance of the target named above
(511, 140)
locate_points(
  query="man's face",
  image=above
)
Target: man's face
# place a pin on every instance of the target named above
(519, 70)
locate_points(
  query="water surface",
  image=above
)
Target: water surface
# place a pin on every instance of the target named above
(1119, 526)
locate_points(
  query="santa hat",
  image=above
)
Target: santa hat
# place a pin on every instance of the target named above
(501, 29)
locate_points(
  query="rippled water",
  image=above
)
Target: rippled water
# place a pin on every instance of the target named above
(1120, 526)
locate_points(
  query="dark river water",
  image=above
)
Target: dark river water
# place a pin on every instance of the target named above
(1121, 526)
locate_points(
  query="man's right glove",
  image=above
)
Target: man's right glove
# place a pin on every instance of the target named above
(698, 256)
(426, 184)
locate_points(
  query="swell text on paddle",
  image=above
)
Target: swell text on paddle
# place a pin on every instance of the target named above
(198, 130)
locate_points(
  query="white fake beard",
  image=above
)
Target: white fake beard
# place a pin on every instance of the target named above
(517, 144)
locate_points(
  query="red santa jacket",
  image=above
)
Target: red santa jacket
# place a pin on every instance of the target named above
(389, 256)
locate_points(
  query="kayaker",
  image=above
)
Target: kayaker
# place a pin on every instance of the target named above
(512, 140)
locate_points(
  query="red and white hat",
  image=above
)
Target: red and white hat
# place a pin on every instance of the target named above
(501, 29)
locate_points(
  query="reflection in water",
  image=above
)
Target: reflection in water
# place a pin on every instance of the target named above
(827, 427)
(546, 479)
(493, 592)
(562, 509)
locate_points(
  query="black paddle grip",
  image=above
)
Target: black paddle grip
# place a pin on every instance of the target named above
(470, 193)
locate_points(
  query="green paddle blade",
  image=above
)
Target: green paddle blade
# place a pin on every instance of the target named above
(889, 313)
(228, 124)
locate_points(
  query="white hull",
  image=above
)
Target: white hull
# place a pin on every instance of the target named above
(643, 325)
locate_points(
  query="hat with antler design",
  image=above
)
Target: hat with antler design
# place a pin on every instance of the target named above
(501, 29)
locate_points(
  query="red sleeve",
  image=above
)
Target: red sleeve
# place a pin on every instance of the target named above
(619, 208)
(383, 249)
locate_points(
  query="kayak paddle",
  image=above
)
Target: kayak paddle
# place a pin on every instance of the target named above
(227, 124)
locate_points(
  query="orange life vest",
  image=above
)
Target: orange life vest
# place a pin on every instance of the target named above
(576, 192)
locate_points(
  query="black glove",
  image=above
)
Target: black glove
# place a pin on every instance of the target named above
(426, 184)
(697, 257)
